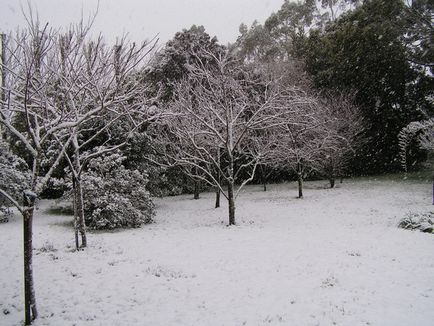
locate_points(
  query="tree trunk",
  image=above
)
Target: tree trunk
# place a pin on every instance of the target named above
(332, 173)
(341, 180)
(231, 202)
(31, 312)
(300, 179)
(74, 205)
(231, 179)
(80, 210)
(264, 178)
(3, 71)
(217, 194)
(217, 198)
(332, 182)
(196, 190)
(79, 195)
(300, 185)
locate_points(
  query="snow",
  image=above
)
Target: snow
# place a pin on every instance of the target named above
(335, 257)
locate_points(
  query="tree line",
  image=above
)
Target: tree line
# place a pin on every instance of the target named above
(322, 88)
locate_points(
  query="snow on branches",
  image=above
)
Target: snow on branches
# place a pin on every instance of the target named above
(422, 131)
(61, 93)
(218, 118)
(14, 178)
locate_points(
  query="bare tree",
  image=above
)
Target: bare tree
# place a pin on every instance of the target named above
(30, 117)
(423, 133)
(295, 144)
(341, 135)
(217, 117)
(98, 79)
(62, 92)
(319, 138)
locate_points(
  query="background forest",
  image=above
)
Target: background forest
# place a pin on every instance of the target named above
(322, 90)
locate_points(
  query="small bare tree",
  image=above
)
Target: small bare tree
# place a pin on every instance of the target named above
(97, 86)
(61, 94)
(341, 136)
(423, 132)
(32, 119)
(295, 144)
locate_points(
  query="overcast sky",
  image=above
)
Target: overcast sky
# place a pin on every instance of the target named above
(143, 19)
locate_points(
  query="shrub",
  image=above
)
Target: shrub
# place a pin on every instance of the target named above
(418, 221)
(115, 196)
(14, 178)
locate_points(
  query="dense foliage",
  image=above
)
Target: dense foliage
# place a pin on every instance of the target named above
(379, 50)
(281, 98)
(114, 196)
(367, 51)
(171, 63)
(418, 221)
(14, 177)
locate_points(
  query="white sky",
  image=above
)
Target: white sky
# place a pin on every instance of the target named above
(143, 19)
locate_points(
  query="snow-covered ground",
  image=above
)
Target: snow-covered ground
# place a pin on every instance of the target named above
(335, 257)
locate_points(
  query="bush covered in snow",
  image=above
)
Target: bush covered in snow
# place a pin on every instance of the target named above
(418, 221)
(115, 196)
(14, 177)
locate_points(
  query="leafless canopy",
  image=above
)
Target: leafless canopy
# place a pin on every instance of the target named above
(219, 118)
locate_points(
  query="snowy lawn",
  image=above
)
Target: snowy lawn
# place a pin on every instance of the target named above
(335, 257)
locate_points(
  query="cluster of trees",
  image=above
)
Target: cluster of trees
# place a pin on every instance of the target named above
(100, 119)
(229, 122)
(322, 88)
(381, 51)
(66, 101)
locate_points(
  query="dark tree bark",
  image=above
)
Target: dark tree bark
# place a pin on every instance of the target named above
(31, 312)
(3, 71)
(80, 210)
(264, 177)
(78, 196)
(217, 198)
(74, 204)
(196, 194)
(300, 185)
(217, 193)
(231, 202)
(332, 182)
(300, 179)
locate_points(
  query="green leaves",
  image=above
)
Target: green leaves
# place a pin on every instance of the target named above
(367, 50)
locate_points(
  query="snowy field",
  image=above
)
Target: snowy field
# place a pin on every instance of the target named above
(335, 257)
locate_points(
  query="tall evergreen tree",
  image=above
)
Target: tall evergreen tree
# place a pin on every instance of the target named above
(171, 63)
(367, 50)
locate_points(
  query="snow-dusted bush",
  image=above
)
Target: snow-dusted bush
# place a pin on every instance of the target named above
(115, 196)
(14, 177)
(418, 221)
(422, 132)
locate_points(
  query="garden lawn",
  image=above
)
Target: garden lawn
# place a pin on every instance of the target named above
(335, 257)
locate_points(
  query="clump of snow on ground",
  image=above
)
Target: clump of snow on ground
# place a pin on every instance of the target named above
(335, 257)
